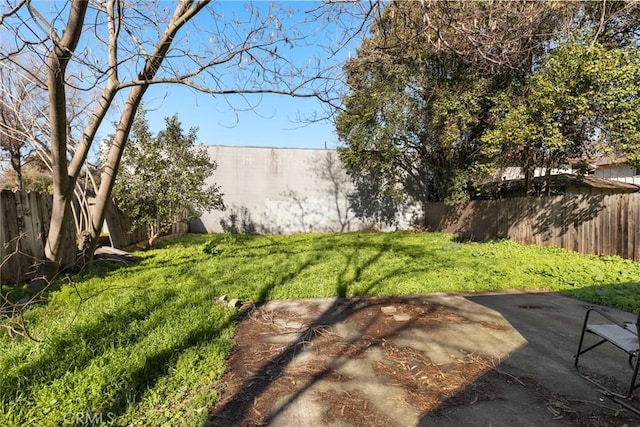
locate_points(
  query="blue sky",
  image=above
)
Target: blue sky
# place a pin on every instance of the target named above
(275, 121)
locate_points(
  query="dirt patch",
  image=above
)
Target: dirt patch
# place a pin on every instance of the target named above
(281, 355)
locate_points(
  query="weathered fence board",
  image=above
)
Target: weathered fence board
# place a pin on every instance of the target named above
(119, 227)
(24, 225)
(591, 224)
(121, 235)
(11, 264)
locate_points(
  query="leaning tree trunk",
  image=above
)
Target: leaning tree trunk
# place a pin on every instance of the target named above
(184, 11)
(61, 180)
(63, 184)
(65, 175)
(112, 163)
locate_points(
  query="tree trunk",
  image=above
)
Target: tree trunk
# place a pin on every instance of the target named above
(154, 233)
(546, 189)
(66, 174)
(184, 11)
(529, 174)
(63, 184)
(17, 167)
(112, 163)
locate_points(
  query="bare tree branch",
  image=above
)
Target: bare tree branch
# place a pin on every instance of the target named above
(116, 49)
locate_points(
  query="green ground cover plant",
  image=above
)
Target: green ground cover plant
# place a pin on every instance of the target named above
(146, 344)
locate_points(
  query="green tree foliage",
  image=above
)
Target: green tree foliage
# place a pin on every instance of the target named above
(581, 102)
(35, 176)
(161, 177)
(443, 92)
(410, 127)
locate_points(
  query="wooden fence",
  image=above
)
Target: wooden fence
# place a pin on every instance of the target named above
(119, 224)
(599, 225)
(24, 225)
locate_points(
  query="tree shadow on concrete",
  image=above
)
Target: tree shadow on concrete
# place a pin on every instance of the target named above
(239, 221)
(512, 389)
(336, 185)
(236, 406)
(538, 382)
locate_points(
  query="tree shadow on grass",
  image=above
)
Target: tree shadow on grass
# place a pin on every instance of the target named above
(160, 364)
(26, 296)
(59, 356)
(138, 343)
(343, 281)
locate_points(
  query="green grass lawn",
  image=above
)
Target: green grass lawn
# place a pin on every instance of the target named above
(145, 345)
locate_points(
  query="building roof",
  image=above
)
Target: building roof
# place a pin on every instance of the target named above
(609, 161)
(559, 184)
(613, 159)
(593, 182)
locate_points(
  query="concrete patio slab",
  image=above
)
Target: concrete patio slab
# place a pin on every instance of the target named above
(520, 346)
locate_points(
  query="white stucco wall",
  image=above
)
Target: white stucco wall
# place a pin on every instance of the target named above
(618, 172)
(515, 172)
(278, 190)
